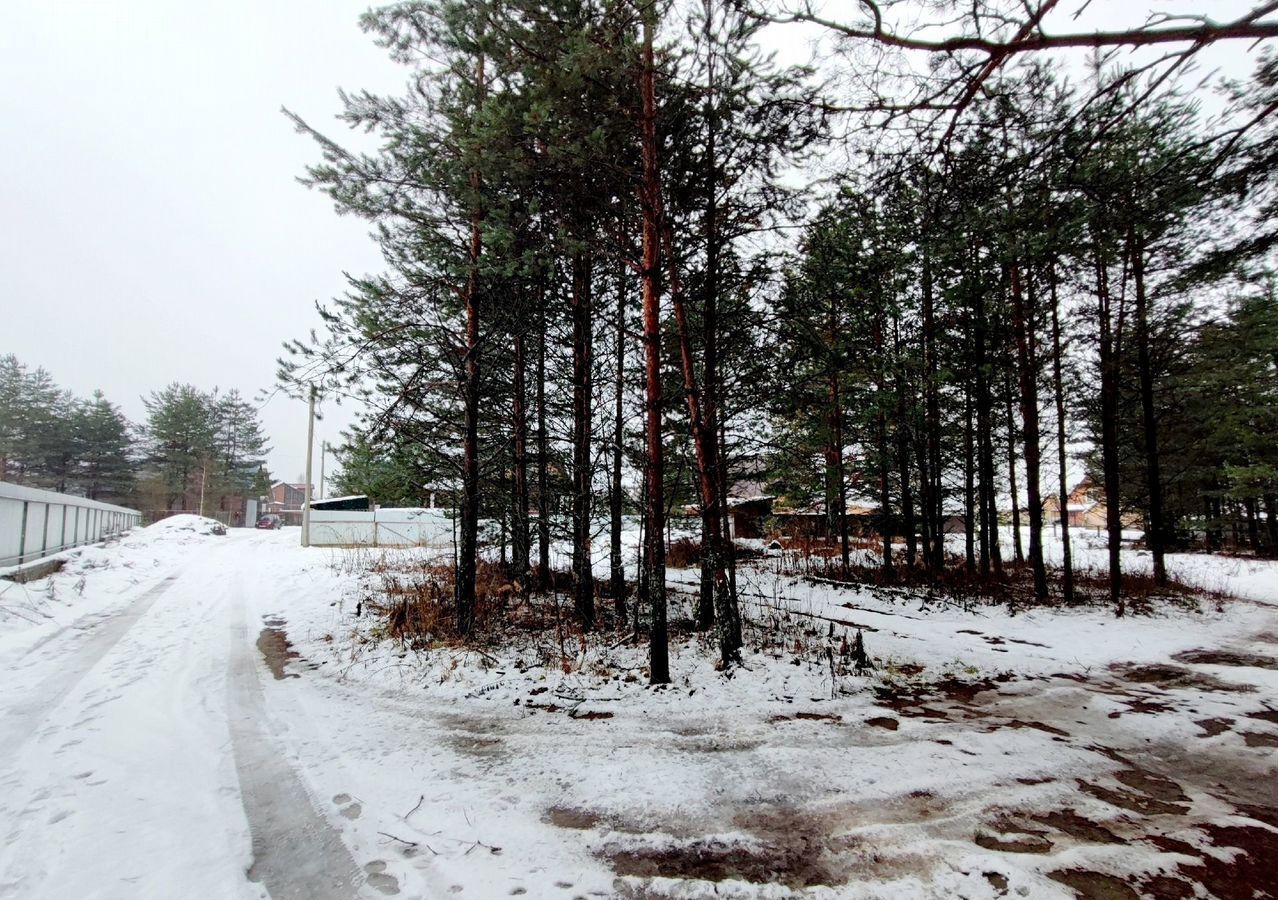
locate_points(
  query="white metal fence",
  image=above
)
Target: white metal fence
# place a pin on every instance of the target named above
(381, 528)
(36, 523)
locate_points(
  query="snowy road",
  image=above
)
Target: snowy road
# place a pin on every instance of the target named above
(117, 777)
(199, 717)
(138, 755)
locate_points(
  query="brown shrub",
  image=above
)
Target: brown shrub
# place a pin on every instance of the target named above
(416, 598)
(683, 553)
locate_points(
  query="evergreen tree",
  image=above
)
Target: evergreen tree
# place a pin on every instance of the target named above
(181, 435)
(107, 463)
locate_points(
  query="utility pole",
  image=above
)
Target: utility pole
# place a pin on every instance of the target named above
(310, 444)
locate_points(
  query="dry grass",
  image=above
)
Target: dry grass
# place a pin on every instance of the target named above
(1014, 586)
(415, 597)
(683, 553)
(412, 602)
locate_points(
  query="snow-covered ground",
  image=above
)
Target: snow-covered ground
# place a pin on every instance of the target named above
(160, 739)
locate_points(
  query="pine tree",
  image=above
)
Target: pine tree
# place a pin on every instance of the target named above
(181, 435)
(106, 465)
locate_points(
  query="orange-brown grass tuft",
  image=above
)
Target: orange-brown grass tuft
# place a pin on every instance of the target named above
(683, 553)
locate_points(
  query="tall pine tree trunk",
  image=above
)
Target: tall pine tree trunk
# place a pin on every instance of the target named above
(881, 441)
(1108, 353)
(1271, 512)
(1011, 479)
(520, 543)
(1067, 559)
(1024, 328)
(903, 422)
(725, 616)
(729, 545)
(467, 556)
(969, 480)
(543, 460)
(1270, 503)
(650, 202)
(714, 536)
(617, 573)
(583, 581)
(925, 504)
(1156, 539)
(984, 403)
(837, 489)
(932, 472)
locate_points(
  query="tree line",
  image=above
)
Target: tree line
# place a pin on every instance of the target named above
(193, 444)
(957, 327)
(591, 301)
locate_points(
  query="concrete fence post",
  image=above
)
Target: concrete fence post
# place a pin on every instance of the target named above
(22, 535)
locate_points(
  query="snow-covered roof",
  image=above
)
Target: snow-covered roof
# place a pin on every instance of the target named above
(758, 498)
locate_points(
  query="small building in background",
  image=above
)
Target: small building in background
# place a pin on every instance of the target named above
(1085, 507)
(285, 501)
(748, 516)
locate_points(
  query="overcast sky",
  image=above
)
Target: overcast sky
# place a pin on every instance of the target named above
(151, 229)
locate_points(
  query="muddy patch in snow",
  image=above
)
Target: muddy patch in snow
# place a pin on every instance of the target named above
(474, 744)
(1167, 676)
(1133, 801)
(794, 846)
(1241, 863)
(1260, 739)
(1081, 828)
(711, 860)
(277, 652)
(1095, 885)
(886, 722)
(808, 717)
(568, 817)
(1226, 658)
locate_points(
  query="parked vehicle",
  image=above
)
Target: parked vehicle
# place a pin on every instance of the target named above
(270, 521)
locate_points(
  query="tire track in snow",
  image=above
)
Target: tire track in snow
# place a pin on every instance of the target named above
(296, 852)
(22, 718)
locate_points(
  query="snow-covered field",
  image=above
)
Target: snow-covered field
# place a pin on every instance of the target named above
(161, 740)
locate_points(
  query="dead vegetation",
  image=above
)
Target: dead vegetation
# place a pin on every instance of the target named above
(821, 560)
(409, 600)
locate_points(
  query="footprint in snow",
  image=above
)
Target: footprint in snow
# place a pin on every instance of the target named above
(377, 878)
(353, 811)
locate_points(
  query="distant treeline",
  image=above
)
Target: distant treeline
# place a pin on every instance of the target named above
(194, 443)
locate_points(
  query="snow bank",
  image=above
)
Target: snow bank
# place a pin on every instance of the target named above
(182, 523)
(102, 577)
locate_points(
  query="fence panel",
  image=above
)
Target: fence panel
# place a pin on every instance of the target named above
(381, 528)
(36, 523)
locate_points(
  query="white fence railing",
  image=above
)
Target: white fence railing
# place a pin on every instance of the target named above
(36, 523)
(381, 528)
